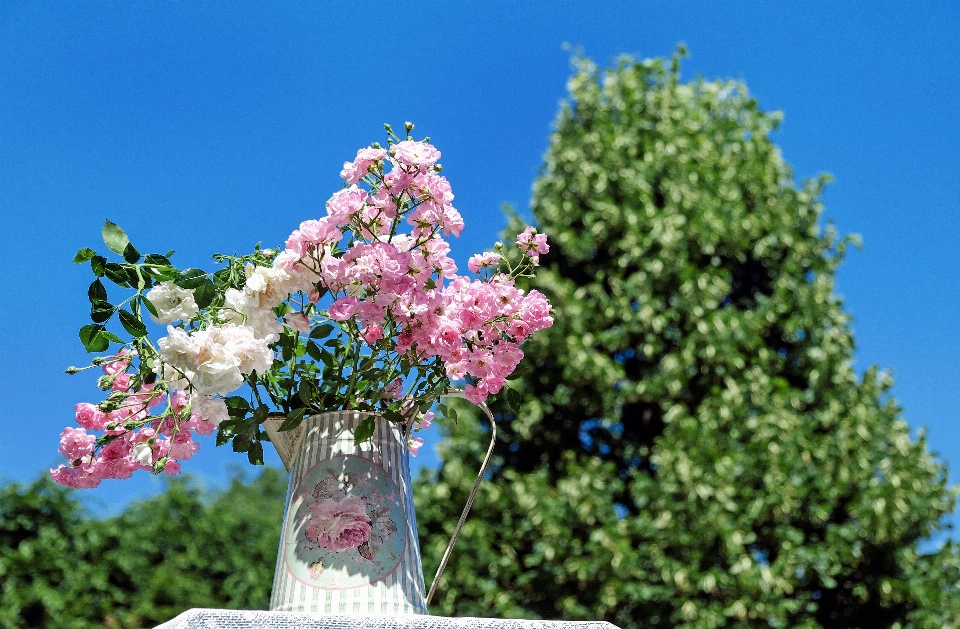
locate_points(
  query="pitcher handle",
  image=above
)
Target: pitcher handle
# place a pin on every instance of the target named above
(473, 493)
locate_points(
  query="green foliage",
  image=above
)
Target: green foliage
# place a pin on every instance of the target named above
(59, 567)
(693, 448)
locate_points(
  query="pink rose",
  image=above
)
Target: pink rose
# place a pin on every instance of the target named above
(419, 155)
(483, 261)
(80, 477)
(343, 308)
(344, 203)
(338, 525)
(372, 334)
(117, 363)
(121, 382)
(179, 400)
(89, 416)
(354, 171)
(171, 467)
(75, 443)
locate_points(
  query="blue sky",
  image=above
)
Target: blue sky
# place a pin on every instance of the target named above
(208, 126)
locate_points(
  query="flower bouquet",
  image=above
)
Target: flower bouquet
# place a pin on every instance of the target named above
(362, 310)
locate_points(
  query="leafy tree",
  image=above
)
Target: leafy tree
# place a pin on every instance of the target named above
(60, 567)
(693, 447)
(46, 578)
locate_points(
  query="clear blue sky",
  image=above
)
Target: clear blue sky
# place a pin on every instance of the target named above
(207, 126)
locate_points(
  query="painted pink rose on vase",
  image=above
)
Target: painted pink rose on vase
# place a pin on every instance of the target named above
(338, 525)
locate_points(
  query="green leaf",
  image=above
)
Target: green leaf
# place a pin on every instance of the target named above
(97, 291)
(321, 331)
(224, 433)
(130, 254)
(204, 294)
(114, 237)
(92, 338)
(161, 273)
(237, 402)
(83, 255)
(286, 349)
(305, 392)
(314, 351)
(149, 306)
(242, 442)
(116, 274)
(157, 259)
(255, 453)
(394, 416)
(98, 265)
(514, 399)
(191, 278)
(101, 311)
(132, 324)
(364, 431)
(293, 420)
(261, 414)
(113, 338)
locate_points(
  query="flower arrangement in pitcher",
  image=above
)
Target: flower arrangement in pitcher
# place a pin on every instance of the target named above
(362, 310)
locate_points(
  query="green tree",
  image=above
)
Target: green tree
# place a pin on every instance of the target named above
(693, 447)
(46, 578)
(60, 567)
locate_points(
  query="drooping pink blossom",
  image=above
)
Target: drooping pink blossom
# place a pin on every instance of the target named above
(75, 443)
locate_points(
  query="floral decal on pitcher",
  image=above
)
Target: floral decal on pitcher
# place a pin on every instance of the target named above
(345, 529)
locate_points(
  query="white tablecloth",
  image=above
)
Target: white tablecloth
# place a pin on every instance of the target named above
(239, 619)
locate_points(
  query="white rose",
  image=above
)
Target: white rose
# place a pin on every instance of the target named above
(218, 371)
(172, 303)
(266, 285)
(213, 410)
(241, 341)
(265, 325)
(241, 308)
(179, 355)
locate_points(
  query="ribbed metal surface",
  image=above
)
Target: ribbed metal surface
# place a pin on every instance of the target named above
(330, 435)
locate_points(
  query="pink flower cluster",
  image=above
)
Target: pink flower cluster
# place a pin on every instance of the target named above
(169, 440)
(338, 525)
(404, 285)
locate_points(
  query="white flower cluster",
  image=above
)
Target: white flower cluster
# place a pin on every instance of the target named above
(214, 360)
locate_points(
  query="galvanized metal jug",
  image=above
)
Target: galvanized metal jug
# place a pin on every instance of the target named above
(349, 541)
